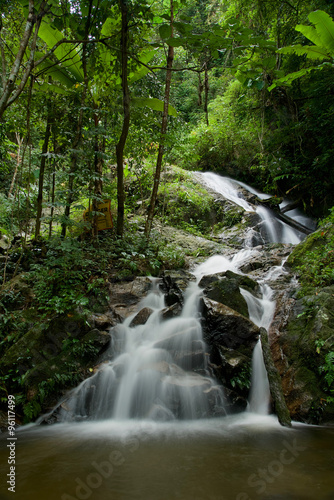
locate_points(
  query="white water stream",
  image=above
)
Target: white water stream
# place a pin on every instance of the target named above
(160, 372)
(273, 229)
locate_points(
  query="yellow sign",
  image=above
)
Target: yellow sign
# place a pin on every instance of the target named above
(104, 218)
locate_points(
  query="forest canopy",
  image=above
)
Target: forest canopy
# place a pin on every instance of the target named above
(94, 92)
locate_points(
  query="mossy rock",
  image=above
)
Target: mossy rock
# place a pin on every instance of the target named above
(225, 288)
(308, 339)
(44, 340)
(316, 240)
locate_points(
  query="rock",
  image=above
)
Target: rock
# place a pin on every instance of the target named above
(226, 327)
(97, 339)
(180, 278)
(4, 243)
(44, 341)
(296, 327)
(275, 384)
(225, 288)
(193, 359)
(171, 312)
(103, 321)
(161, 367)
(173, 284)
(235, 403)
(125, 296)
(141, 317)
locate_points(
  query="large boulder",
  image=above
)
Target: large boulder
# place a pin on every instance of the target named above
(225, 288)
(231, 338)
(126, 295)
(227, 327)
(301, 338)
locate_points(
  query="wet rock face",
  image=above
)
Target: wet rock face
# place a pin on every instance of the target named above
(125, 296)
(297, 326)
(226, 327)
(225, 289)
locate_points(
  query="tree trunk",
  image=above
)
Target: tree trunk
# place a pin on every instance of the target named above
(98, 170)
(53, 183)
(78, 135)
(126, 120)
(200, 90)
(206, 93)
(157, 175)
(18, 159)
(42, 171)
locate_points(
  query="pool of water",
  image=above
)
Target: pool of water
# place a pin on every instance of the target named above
(243, 457)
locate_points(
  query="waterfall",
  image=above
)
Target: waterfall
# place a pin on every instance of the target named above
(158, 370)
(227, 188)
(261, 312)
(275, 230)
(272, 229)
(161, 373)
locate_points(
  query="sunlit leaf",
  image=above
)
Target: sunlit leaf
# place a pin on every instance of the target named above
(154, 104)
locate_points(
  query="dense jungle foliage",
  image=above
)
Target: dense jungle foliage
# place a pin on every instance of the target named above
(83, 91)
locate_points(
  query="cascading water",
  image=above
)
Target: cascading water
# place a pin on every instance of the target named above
(272, 229)
(160, 368)
(161, 373)
(261, 312)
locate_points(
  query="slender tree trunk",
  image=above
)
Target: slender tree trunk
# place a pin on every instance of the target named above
(73, 167)
(18, 160)
(42, 171)
(53, 183)
(126, 119)
(200, 90)
(98, 170)
(206, 93)
(164, 122)
(78, 135)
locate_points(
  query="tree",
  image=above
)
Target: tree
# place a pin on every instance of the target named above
(126, 116)
(164, 121)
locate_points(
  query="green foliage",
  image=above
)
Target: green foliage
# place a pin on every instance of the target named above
(134, 255)
(242, 379)
(60, 284)
(314, 260)
(230, 142)
(78, 348)
(322, 36)
(326, 369)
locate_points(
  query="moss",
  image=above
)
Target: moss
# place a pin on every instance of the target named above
(313, 259)
(310, 344)
(225, 288)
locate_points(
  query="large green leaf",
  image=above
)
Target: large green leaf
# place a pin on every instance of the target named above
(323, 38)
(176, 42)
(311, 51)
(165, 31)
(66, 53)
(288, 79)
(153, 103)
(324, 25)
(49, 87)
(110, 25)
